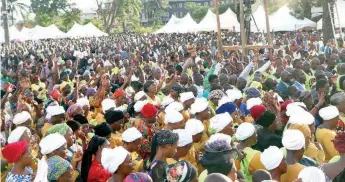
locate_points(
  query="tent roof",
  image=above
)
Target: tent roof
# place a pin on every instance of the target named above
(186, 24)
(228, 20)
(208, 23)
(282, 20)
(168, 28)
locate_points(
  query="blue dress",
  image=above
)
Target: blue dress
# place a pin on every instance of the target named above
(20, 178)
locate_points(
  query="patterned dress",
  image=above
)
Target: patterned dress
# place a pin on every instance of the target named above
(20, 178)
(148, 131)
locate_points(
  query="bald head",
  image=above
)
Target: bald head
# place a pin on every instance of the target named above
(261, 175)
(217, 177)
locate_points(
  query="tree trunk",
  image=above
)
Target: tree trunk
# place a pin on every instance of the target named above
(5, 19)
(307, 9)
(326, 23)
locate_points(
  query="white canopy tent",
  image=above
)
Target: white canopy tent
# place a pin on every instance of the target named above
(76, 31)
(170, 26)
(56, 32)
(50, 32)
(95, 32)
(282, 20)
(22, 35)
(208, 23)
(260, 20)
(341, 7)
(228, 20)
(186, 25)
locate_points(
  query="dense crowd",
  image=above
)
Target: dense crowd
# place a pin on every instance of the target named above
(172, 108)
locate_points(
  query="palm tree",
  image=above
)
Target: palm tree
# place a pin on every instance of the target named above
(18, 8)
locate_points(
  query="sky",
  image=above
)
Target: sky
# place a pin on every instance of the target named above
(81, 4)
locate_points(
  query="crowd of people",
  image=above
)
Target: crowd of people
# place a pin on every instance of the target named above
(171, 108)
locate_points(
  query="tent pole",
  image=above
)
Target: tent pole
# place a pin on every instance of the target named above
(220, 46)
(268, 30)
(243, 33)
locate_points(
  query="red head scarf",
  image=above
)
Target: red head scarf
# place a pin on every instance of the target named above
(118, 93)
(149, 111)
(13, 151)
(55, 94)
(257, 110)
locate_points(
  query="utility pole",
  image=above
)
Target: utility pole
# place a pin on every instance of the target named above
(5, 20)
(219, 43)
(268, 30)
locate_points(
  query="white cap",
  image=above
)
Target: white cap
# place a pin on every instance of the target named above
(107, 104)
(83, 102)
(328, 113)
(21, 117)
(55, 110)
(173, 116)
(220, 121)
(271, 157)
(199, 105)
(17, 133)
(194, 126)
(312, 174)
(234, 94)
(253, 102)
(223, 100)
(293, 139)
(139, 95)
(167, 100)
(302, 118)
(112, 158)
(174, 106)
(131, 134)
(138, 106)
(244, 131)
(186, 96)
(295, 107)
(51, 143)
(184, 138)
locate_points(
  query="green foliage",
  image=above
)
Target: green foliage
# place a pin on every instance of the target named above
(67, 19)
(94, 21)
(155, 8)
(196, 11)
(17, 8)
(50, 7)
(274, 5)
(147, 29)
(302, 8)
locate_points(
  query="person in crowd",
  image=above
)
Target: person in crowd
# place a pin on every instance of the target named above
(261, 175)
(131, 141)
(274, 161)
(294, 142)
(118, 162)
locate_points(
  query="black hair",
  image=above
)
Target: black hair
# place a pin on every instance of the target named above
(320, 84)
(74, 125)
(91, 150)
(341, 81)
(147, 85)
(211, 78)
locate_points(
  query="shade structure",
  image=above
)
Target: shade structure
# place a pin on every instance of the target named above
(186, 25)
(282, 20)
(170, 26)
(94, 31)
(259, 21)
(228, 20)
(208, 23)
(22, 35)
(76, 31)
(50, 32)
(56, 33)
(341, 8)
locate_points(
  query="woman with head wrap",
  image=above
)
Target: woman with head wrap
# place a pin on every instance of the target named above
(294, 142)
(213, 99)
(332, 169)
(247, 136)
(266, 133)
(115, 120)
(196, 129)
(221, 123)
(74, 109)
(312, 174)
(59, 169)
(18, 153)
(274, 161)
(184, 145)
(138, 177)
(118, 162)
(230, 108)
(201, 112)
(182, 171)
(79, 133)
(103, 130)
(164, 145)
(91, 168)
(325, 133)
(218, 157)
(252, 93)
(131, 139)
(147, 128)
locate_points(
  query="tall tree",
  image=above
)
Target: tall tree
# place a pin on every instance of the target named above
(302, 8)
(197, 12)
(326, 21)
(155, 8)
(69, 18)
(117, 11)
(47, 10)
(17, 8)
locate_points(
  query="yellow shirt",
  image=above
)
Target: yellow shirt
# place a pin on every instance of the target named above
(42, 93)
(190, 157)
(292, 172)
(171, 161)
(137, 163)
(314, 153)
(45, 128)
(161, 118)
(115, 140)
(205, 136)
(186, 116)
(324, 137)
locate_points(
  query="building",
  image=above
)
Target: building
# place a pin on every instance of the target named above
(175, 7)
